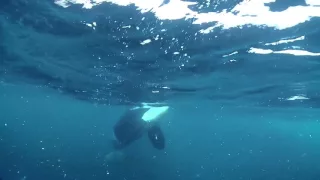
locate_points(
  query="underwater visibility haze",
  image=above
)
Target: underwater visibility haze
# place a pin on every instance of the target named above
(241, 78)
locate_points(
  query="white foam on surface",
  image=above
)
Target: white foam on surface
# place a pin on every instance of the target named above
(247, 12)
(295, 52)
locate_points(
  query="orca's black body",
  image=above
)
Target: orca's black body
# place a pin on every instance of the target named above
(131, 127)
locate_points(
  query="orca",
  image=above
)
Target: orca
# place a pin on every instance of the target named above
(136, 122)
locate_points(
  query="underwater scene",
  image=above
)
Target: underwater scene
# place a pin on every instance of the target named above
(159, 90)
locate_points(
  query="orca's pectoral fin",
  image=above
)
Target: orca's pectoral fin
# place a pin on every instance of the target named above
(116, 145)
(156, 137)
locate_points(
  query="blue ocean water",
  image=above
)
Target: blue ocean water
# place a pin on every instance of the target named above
(240, 77)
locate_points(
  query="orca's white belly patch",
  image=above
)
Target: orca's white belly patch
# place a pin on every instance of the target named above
(154, 113)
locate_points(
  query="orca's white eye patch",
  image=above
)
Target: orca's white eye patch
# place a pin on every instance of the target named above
(154, 113)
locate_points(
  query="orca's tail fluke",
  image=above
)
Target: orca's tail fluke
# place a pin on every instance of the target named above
(156, 137)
